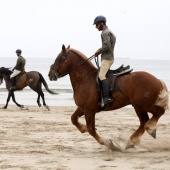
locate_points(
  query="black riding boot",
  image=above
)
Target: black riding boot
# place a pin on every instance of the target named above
(13, 83)
(106, 92)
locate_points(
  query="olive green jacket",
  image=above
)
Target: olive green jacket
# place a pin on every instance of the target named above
(20, 65)
(108, 43)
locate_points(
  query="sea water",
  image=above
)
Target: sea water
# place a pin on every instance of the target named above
(158, 68)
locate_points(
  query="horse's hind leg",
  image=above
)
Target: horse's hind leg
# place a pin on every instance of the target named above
(38, 100)
(38, 89)
(43, 99)
(150, 126)
(74, 118)
(40, 93)
(135, 137)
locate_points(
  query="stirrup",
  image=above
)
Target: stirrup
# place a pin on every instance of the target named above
(12, 87)
(107, 100)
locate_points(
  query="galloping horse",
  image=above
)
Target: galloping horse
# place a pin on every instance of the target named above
(142, 90)
(33, 79)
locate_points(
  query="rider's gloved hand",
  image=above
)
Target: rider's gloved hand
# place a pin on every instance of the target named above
(98, 52)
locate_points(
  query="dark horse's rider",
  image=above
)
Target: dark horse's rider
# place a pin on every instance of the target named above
(19, 67)
(107, 54)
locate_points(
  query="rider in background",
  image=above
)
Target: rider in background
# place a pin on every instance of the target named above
(107, 54)
(19, 67)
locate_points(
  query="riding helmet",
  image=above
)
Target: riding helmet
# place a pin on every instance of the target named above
(99, 19)
(18, 51)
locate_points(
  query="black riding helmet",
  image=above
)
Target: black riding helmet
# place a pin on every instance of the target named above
(18, 51)
(99, 19)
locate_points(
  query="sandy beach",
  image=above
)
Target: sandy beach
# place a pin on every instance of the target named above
(36, 139)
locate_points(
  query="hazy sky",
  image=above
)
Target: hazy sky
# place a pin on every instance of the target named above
(40, 27)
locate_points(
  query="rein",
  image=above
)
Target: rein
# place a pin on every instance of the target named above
(97, 62)
(90, 58)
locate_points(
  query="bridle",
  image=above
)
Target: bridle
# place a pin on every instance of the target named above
(69, 70)
(65, 59)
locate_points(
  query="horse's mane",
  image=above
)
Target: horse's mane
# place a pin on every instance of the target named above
(5, 70)
(82, 55)
(79, 53)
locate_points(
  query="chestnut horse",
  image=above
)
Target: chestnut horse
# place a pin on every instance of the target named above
(140, 89)
(33, 79)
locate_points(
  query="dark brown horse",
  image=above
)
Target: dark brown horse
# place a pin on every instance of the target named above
(33, 79)
(140, 89)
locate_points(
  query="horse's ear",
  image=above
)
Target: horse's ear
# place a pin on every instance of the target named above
(63, 48)
(68, 47)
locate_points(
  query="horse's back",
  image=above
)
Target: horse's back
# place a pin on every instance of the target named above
(139, 87)
(29, 76)
(144, 78)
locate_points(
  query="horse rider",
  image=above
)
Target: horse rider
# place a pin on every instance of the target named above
(19, 67)
(107, 55)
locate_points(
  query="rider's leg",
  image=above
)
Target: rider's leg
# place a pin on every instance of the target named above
(106, 92)
(13, 79)
(105, 66)
(13, 83)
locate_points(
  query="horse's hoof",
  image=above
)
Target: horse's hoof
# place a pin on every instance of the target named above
(113, 145)
(109, 144)
(129, 145)
(153, 134)
(47, 108)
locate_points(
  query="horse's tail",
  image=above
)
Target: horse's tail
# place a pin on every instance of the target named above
(163, 97)
(45, 84)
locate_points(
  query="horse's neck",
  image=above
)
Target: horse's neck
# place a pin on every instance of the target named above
(80, 69)
(80, 75)
(7, 79)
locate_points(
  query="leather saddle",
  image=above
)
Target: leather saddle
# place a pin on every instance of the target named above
(112, 74)
(22, 72)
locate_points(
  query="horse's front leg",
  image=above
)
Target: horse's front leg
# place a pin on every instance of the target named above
(13, 98)
(74, 118)
(8, 99)
(10, 93)
(90, 121)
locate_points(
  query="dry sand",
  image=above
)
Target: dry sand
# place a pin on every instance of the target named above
(37, 139)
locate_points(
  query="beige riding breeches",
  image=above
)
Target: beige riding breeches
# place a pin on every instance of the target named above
(15, 73)
(105, 66)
